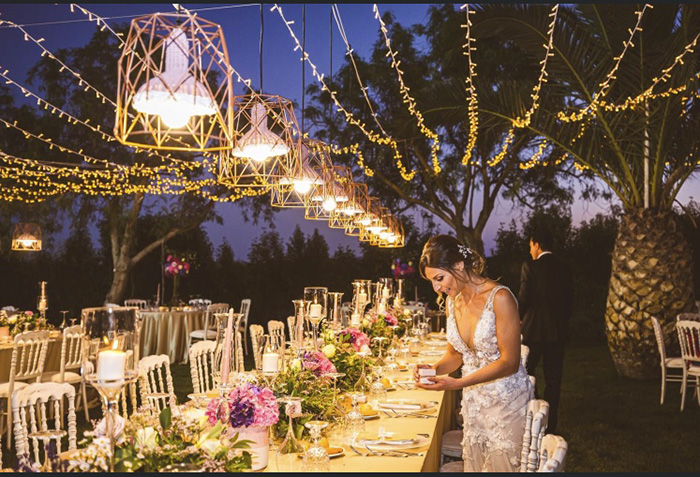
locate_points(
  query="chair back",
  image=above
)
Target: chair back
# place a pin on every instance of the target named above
(29, 411)
(536, 419)
(688, 317)
(71, 349)
(137, 302)
(202, 366)
(524, 353)
(28, 356)
(659, 335)
(156, 382)
(552, 454)
(276, 330)
(291, 327)
(689, 339)
(256, 332)
(245, 310)
(209, 315)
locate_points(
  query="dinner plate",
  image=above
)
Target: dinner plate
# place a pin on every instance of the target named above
(199, 397)
(409, 405)
(419, 441)
(371, 418)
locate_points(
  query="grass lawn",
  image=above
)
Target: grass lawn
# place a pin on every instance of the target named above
(611, 424)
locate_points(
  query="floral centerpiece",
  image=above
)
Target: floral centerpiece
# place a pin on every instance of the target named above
(379, 325)
(342, 351)
(176, 267)
(248, 410)
(152, 444)
(22, 321)
(304, 378)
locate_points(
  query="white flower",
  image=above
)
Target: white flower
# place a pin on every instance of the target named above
(365, 349)
(296, 364)
(365, 322)
(329, 350)
(12, 320)
(146, 438)
(101, 427)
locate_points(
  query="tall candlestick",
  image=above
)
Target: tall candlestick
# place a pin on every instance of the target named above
(228, 339)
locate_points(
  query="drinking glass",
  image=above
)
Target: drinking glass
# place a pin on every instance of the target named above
(336, 301)
(354, 421)
(336, 410)
(377, 392)
(317, 308)
(316, 458)
(63, 321)
(362, 384)
(286, 456)
(380, 340)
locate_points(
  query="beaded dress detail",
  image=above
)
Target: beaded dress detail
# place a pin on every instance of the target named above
(494, 411)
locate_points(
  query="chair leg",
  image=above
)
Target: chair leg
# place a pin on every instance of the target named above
(685, 380)
(8, 441)
(85, 402)
(697, 384)
(663, 384)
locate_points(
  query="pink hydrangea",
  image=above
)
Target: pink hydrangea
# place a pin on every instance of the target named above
(390, 319)
(318, 363)
(248, 406)
(357, 337)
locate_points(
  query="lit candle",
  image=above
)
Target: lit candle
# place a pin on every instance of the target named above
(315, 311)
(362, 298)
(228, 339)
(111, 364)
(355, 319)
(270, 363)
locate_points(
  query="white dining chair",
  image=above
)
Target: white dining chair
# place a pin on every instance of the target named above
(27, 363)
(451, 446)
(552, 453)
(243, 326)
(256, 333)
(536, 418)
(202, 366)
(688, 317)
(276, 330)
(689, 339)
(71, 363)
(29, 409)
(667, 363)
(156, 383)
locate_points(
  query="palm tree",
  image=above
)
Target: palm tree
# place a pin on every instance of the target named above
(644, 150)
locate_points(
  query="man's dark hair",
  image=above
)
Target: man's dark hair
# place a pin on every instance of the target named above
(544, 238)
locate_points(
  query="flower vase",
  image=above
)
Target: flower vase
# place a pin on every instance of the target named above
(260, 445)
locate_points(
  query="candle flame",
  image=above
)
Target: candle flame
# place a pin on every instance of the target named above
(106, 340)
(115, 345)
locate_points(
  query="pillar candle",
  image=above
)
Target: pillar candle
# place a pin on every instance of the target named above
(270, 363)
(315, 311)
(355, 319)
(111, 364)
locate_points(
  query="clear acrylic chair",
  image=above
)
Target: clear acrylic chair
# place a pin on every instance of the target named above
(27, 364)
(689, 339)
(202, 366)
(31, 407)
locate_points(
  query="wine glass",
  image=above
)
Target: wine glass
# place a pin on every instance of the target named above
(362, 384)
(317, 302)
(316, 458)
(377, 392)
(63, 322)
(286, 455)
(380, 340)
(335, 408)
(354, 421)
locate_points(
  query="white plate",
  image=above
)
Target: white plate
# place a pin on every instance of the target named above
(200, 397)
(431, 352)
(419, 441)
(372, 417)
(337, 454)
(397, 405)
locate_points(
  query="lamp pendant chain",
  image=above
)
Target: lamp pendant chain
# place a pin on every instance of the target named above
(303, 65)
(260, 49)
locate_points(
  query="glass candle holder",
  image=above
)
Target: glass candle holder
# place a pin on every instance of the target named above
(317, 308)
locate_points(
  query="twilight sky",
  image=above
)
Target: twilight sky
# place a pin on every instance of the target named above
(282, 75)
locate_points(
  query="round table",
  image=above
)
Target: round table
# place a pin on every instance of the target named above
(166, 332)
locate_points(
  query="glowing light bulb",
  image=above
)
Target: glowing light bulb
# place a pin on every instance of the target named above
(175, 95)
(302, 186)
(259, 143)
(329, 204)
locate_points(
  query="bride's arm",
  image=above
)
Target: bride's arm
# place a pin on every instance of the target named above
(449, 362)
(508, 336)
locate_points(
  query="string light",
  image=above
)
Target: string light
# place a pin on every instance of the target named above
(349, 118)
(407, 98)
(473, 108)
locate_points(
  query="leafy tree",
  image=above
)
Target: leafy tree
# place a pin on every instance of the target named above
(650, 131)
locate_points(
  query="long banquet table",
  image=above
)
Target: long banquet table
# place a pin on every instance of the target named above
(165, 332)
(434, 427)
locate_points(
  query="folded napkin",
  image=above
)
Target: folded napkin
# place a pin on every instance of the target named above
(410, 406)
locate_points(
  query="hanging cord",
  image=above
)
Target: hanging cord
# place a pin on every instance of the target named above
(330, 76)
(303, 65)
(260, 49)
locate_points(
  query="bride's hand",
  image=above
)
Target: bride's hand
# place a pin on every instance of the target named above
(417, 376)
(441, 383)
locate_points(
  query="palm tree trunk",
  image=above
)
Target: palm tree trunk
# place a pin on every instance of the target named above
(652, 275)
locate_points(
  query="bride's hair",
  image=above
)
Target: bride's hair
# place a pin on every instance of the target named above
(445, 252)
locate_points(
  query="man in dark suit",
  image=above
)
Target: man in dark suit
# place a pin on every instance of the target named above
(545, 300)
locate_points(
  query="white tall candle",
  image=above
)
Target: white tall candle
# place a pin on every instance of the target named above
(315, 311)
(270, 363)
(362, 298)
(355, 319)
(111, 364)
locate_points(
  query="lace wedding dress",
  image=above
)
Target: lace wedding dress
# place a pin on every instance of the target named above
(494, 411)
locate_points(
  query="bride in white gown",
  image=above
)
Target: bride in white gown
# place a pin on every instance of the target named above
(483, 334)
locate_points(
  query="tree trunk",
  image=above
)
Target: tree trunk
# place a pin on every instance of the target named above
(119, 282)
(652, 275)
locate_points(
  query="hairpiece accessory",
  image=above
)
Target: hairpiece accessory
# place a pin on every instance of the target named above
(465, 251)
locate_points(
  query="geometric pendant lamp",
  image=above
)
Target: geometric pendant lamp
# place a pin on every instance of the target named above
(175, 85)
(26, 237)
(266, 144)
(293, 191)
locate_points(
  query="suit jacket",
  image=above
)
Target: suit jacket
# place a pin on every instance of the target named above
(545, 299)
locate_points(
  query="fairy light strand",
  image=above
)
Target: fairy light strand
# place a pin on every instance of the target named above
(473, 107)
